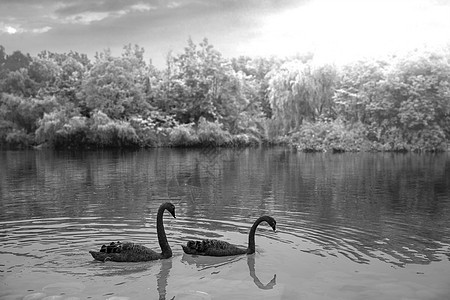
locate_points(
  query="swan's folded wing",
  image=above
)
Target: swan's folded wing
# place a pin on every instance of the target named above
(212, 248)
(127, 252)
(136, 248)
(225, 250)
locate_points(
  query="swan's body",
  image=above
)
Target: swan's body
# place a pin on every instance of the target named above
(221, 248)
(130, 252)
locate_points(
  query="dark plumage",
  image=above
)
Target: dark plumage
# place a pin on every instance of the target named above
(130, 252)
(221, 248)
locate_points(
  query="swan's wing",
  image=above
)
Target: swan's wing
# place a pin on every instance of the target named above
(125, 252)
(212, 248)
(135, 248)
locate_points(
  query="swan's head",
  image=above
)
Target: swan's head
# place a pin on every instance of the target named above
(171, 208)
(272, 223)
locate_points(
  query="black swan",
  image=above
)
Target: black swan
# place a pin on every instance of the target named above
(130, 252)
(221, 248)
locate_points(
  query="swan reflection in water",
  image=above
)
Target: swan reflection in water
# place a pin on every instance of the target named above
(251, 268)
(206, 262)
(162, 276)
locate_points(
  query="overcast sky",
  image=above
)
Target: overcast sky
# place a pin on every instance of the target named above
(336, 30)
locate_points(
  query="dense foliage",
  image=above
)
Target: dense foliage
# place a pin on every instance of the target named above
(201, 99)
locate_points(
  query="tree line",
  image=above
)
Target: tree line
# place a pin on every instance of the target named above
(200, 98)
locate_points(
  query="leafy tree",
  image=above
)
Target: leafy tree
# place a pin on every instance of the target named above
(69, 70)
(59, 58)
(419, 90)
(18, 83)
(2, 58)
(402, 103)
(196, 81)
(115, 85)
(44, 74)
(70, 80)
(257, 70)
(201, 84)
(358, 96)
(16, 61)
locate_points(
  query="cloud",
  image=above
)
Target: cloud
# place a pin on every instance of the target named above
(75, 7)
(87, 12)
(85, 18)
(173, 4)
(16, 29)
(41, 30)
(141, 7)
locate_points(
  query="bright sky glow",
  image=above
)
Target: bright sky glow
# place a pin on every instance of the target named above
(341, 31)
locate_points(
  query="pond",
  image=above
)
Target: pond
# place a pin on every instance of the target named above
(349, 226)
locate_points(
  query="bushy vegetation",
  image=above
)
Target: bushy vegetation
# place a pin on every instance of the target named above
(184, 136)
(202, 99)
(335, 136)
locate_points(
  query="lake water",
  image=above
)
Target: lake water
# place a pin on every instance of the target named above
(349, 226)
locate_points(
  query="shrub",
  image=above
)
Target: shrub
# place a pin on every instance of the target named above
(429, 140)
(18, 138)
(105, 132)
(212, 134)
(49, 126)
(330, 136)
(243, 140)
(183, 136)
(25, 112)
(74, 134)
(153, 130)
(59, 130)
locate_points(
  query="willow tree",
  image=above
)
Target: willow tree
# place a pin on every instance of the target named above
(301, 91)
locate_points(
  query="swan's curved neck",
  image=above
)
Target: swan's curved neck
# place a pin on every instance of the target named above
(162, 239)
(251, 235)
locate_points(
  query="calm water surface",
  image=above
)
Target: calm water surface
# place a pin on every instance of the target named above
(350, 226)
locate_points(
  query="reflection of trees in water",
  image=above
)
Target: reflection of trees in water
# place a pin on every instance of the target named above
(383, 206)
(394, 246)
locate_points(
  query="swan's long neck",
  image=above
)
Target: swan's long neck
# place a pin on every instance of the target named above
(162, 239)
(251, 235)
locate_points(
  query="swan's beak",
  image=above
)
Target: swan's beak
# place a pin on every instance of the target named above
(173, 214)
